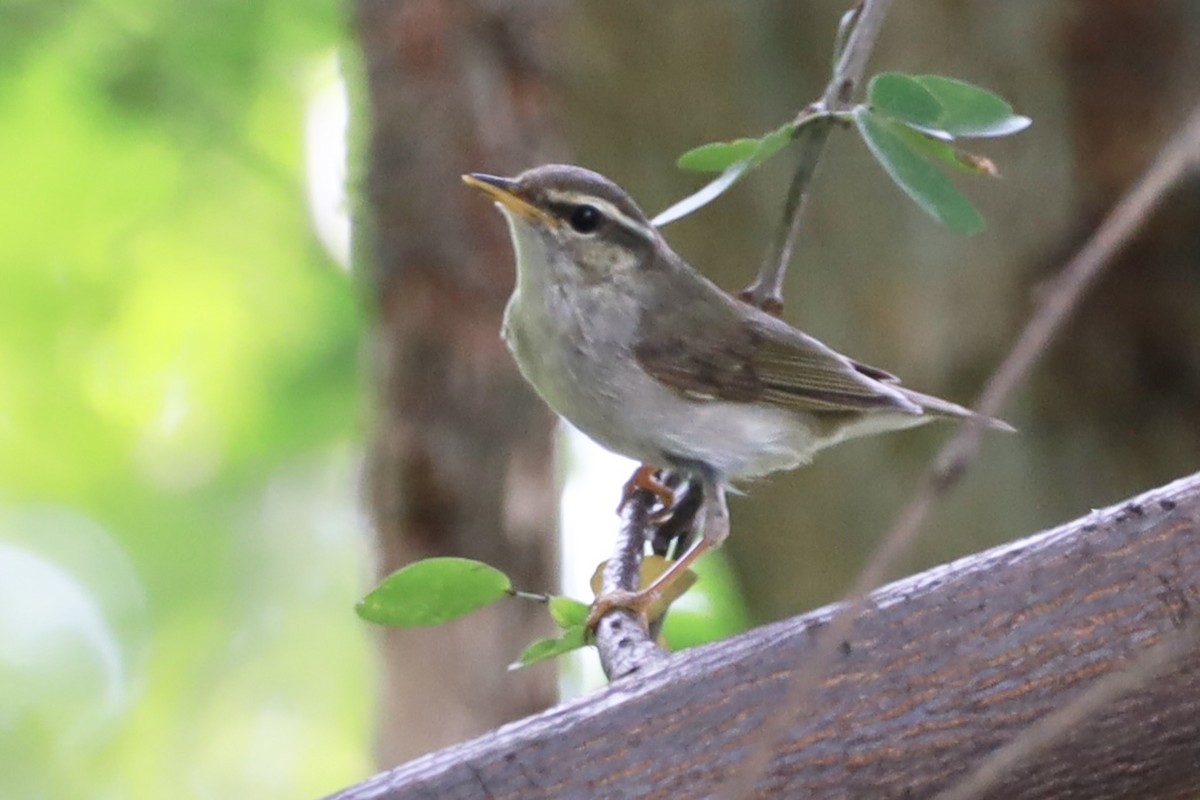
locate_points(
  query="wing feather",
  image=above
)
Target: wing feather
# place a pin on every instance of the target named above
(758, 358)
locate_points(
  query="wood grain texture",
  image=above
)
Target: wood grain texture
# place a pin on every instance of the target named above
(944, 668)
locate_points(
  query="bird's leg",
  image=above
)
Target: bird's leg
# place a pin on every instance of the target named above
(681, 526)
(646, 477)
(714, 530)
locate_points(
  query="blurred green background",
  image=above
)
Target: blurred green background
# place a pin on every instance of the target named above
(180, 409)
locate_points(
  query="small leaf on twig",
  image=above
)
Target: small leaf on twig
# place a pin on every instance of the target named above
(933, 147)
(734, 159)
(970, 111)
(931, 190)
(571, 639)
(719, 156)
(943, 107)
(567, 612)
(903, 98)
(433, 591)
(652, 567)
(711, 191)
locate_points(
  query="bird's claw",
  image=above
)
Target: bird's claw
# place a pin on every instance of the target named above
(646, 478)
(637, 603)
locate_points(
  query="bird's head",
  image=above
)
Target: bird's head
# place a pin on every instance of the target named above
(571, 221)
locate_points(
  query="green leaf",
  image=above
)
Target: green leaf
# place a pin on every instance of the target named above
(773, 142)
(717, 156)
(968, 110)
(933, 147)
(917, 177)
(433, 591)
(735, 158)
(542, 649)
(902, 97)
(568, 612)
(709, 192)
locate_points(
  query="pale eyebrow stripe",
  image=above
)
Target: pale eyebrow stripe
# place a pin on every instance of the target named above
(604, 207)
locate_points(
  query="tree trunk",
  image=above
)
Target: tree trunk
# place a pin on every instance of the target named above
(460, 456)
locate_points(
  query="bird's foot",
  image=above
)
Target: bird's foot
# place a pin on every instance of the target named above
(662, 583)
(640, 604)
(646, 478)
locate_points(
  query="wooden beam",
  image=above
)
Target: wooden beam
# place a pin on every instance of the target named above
(943, 669)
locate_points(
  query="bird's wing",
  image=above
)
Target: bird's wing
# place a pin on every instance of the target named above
(757, 358)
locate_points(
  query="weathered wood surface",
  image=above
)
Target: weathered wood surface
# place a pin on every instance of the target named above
(944, 668)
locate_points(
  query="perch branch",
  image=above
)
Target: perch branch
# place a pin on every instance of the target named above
(943, 670)
(625, 646)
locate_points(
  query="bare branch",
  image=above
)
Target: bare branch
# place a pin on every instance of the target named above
(1178, 158)
(625, 646)
(766, 291)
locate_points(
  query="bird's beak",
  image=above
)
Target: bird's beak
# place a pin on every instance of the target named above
(504, 191)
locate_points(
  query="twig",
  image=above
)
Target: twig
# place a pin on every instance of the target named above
(624, 645)
(1180, 154)
(766, 291)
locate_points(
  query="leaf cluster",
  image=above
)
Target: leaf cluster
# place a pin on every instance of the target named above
(907, 123)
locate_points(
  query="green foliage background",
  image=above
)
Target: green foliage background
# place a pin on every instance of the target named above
(179, 410)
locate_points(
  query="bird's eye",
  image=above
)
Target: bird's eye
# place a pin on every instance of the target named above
(585, 219)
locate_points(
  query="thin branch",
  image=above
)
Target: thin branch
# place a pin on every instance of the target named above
(1176, 159)
(624, 645)
(766, 291)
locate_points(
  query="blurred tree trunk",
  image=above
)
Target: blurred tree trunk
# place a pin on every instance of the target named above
(460, 458)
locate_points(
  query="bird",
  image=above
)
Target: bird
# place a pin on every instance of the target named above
(640, 351)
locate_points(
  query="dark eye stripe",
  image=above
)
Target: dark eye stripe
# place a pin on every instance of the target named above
(564, 211)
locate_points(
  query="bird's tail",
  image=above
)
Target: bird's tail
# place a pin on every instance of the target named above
(944, 408)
